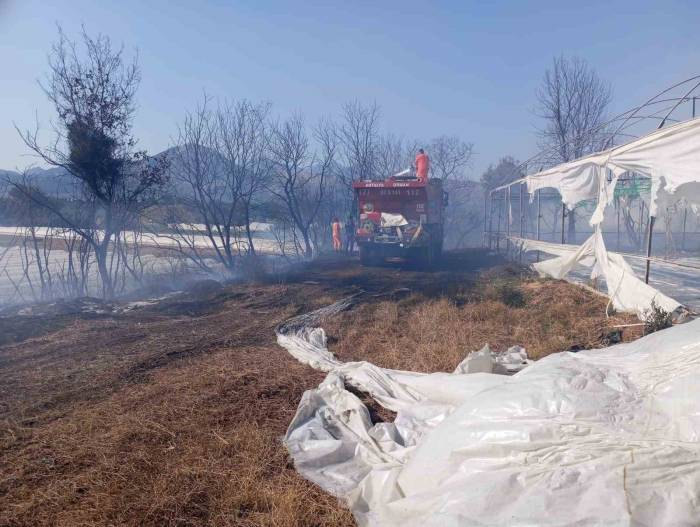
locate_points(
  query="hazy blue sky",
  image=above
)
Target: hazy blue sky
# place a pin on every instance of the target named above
(458, 67)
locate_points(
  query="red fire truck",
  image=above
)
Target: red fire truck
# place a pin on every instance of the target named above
(400, 217)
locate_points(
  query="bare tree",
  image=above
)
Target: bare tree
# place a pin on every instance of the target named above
(391, 157)
(573, 102)
(336, 201)
(55, 261)
(93, 94)
(242, 142)
(302, 171)
(34, 242)
(221, 166)
(464, 214)
(506, 170)
(449, 157)
(358, 137)
(196, 168)
(77, 269)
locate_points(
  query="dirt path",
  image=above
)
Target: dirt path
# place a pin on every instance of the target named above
(171, 414)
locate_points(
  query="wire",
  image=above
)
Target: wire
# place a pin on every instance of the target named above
(695, 77)
(676, 106)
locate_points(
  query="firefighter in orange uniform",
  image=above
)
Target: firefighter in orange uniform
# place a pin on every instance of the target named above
(337, 243)
(422, 166)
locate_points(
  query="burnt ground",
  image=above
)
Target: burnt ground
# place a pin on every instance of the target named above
(170, 413)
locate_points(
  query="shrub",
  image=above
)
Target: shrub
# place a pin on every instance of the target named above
(510, 295)
(656, 318)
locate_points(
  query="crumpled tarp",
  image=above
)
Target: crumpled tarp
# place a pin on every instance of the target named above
(393, 220)
(485, 360)
(626, 292)
(670, 157)
(599, 437)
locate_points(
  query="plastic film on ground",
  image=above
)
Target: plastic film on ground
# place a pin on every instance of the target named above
(599, 437)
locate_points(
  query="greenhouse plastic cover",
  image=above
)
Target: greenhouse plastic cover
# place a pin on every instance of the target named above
(599, 437)
(670, 157)
(625, 290)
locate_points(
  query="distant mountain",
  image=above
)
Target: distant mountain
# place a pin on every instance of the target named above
(177, 156)
(54, 181)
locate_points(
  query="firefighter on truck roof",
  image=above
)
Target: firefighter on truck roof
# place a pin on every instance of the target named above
(422, 166)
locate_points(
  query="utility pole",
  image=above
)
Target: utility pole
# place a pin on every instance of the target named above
(618, 223)
(522, 221)
(498, 233)
(563, 216)
(685, 221)
(508, 219)
(490, 231)
(651, 231)
(486, 209)
(641, 221)
(539, 215)
(522, 214)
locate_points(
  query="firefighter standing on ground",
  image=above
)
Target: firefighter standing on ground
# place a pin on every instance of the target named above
(350, 235)
(335, 228)
(422, 166)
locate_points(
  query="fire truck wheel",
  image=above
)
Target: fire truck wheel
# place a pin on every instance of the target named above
(427, 257)
(363, 256)
(438, 249)
(368, 256)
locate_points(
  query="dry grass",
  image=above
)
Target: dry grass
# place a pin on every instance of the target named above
(152, 420)
(198, 444)
(179, 450)
(425, 334)
(172, 415)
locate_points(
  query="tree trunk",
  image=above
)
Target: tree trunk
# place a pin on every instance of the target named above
(101, 251)
(249, 235)
(308, 249)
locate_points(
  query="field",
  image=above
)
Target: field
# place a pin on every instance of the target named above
(20, 279)
(170, 413)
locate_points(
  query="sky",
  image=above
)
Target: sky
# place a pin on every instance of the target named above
(461, 68)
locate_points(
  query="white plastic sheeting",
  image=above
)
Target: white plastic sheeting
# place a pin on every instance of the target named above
(686, 196)
(600, 437)
(393, 220)
(509, 362)
(576, 181)
(626, 292)
(670, 157)
(403, 173)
